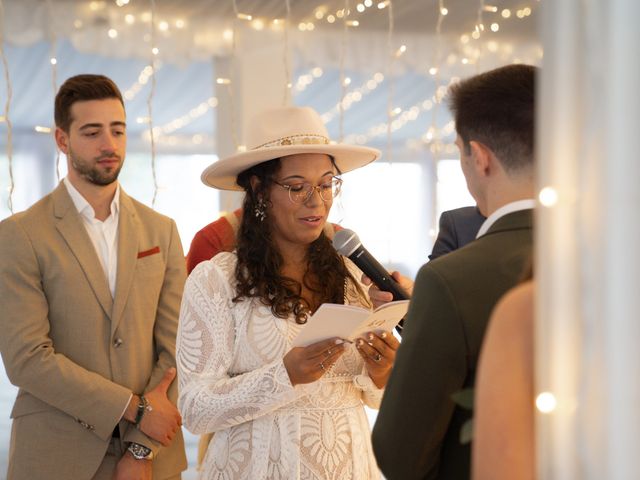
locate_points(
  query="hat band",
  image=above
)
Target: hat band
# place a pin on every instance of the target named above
(302, 139)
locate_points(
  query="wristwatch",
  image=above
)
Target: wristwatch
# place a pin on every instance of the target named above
(140, 452)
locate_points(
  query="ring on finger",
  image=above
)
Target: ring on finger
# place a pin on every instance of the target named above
(377, 357)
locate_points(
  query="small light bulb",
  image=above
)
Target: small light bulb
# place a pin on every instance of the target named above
(546, 402)
(548, 196)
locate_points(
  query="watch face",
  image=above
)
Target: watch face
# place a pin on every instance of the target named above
(140, 452)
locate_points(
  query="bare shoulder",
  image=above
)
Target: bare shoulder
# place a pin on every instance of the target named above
(515, 310)
(503, 446)
(507, 353)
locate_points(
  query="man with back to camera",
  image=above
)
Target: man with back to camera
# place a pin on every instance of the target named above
(90, 287)
(417, 432)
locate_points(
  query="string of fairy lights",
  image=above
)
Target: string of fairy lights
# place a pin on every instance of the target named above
(433, 134)
(489, 19)
(6, 117)
(53, 47)
(152, 62)
(392, 56)
(343, 56)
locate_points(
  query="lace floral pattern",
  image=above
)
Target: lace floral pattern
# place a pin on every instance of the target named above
(233, 382)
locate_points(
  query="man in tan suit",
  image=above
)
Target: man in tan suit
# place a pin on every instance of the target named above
(90, 289)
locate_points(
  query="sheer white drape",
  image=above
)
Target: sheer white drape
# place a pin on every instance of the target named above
(587, 261)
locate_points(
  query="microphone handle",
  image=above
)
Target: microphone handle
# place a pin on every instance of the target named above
(377, 273)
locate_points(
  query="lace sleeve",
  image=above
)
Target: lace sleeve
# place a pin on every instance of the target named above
(210, 399)
(371, 395)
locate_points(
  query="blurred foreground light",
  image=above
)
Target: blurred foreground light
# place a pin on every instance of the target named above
(546, 402)
(548, 196)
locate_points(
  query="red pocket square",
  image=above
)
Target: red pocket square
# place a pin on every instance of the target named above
(151, 251)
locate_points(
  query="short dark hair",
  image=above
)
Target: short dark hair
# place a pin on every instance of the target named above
(81, 88)
(497, 109)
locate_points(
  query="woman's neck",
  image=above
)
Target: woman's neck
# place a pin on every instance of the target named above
(294, 256)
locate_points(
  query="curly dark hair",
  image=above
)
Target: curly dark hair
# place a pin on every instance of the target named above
(259, 261)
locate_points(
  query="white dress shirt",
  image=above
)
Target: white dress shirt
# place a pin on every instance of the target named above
(103, 234)
(527, 204)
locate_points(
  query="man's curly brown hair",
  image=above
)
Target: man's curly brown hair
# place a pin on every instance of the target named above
(259, 261)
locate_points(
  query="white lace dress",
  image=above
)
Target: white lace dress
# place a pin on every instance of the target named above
(233, 382)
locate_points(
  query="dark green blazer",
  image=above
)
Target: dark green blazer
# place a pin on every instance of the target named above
(416, 434)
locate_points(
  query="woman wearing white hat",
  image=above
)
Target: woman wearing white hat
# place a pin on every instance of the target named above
(280, 412)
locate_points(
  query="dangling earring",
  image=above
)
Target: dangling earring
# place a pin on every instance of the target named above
(260, 210)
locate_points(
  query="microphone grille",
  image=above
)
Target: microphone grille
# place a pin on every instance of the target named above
(346, 241)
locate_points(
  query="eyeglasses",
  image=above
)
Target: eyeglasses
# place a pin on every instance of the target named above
(301, 192)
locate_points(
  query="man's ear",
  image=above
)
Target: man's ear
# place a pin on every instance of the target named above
(483, 158)
(62, 140)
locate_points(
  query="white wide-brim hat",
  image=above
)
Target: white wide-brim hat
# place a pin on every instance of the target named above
(283, 131)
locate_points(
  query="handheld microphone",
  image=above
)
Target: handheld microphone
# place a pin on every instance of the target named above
(347, 243)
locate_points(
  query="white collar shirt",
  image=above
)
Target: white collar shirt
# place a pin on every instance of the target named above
(103, 234)
(526, 204)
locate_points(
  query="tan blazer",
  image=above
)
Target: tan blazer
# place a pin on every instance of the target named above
(75, 353)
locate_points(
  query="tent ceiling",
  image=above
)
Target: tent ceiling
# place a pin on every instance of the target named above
(75, 32)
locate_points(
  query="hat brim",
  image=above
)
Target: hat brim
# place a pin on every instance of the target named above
(223, 173)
